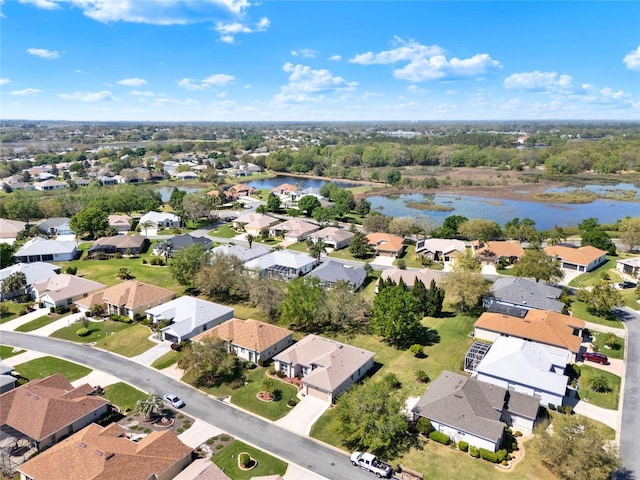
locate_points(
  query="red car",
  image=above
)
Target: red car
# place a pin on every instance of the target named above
(596, 357)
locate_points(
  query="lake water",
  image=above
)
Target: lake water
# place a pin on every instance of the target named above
(304, 182)
(165, 192)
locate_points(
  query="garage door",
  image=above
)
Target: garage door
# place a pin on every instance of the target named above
(314, 392)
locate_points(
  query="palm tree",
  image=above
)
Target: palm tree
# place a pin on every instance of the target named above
(250, 238)
(165, 248)
(146, 225)
(317, 249)
(150, 406)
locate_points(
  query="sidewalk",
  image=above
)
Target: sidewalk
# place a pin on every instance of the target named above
(16, 322)
(151, 355)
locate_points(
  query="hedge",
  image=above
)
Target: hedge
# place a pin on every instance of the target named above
(494, 457)
(464, 446)
(440, 437)
(83, 332)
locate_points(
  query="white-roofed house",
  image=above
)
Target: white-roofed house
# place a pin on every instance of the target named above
(283, 264)
(189, 316)
(9, 229)
(243, 253)
(440, 249)
(327, 367)
(62, 290)
(526, 367)
(33, 272)
(40, 249)
(155, 220)
(49, 185)
(332, 237)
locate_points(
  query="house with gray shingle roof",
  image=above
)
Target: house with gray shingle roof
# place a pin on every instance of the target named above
(331, 272)
(189, 316)
(473, 411)
(524, 293)
(283, 264)
(333, 237)
(327, 367)
(40, 249)
(56, 226)
(7, 381)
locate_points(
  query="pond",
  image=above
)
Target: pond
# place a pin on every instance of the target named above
(303, 182)
(546, 215)
(165, 192)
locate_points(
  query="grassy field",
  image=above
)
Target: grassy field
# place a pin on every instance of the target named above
(587, 279)
(246, 311)
(166, 360)
(223, 231)
(98, 331)
(609, 399)
(13, 311)
(123, 395)
(37, 323)
(105, 271)
(616, 352)
(7, 351)
(227, 459)
(45, 366)
(579, 310)
(129, 343)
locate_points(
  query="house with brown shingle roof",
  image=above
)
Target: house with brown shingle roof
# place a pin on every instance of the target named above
(581, 259)
(250, 339)
(327, 367)
(242, 190)
(46, 410)
(97, 453)
(254, 223)
(385, 244)
(286, 191)
(490, 253)
(62, 290)
(122, 244)
(293, 230)
(128, 298)
(542, 326)
(122, 223)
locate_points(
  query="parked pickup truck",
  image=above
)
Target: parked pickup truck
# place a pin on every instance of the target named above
(368, 461)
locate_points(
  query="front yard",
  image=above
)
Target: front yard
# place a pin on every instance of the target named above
(7, 351)
(123, 396)
(39, 322)
(227, 460)
(14, 310)
(45, 366)
(608, 399)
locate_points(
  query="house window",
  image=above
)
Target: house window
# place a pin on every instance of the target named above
(47, 258)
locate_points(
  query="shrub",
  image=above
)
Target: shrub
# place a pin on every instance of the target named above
(501, 455)
(271, 371)
(560, 409)
(60, 310)
(392, 381)
(280, 374)
(153, 261)
(422, 376)
(504, 463)
(219, 446)
(440, 437)
(292, 402)
(83, 332)
(180, 430)
(144, 262)
(245, 459)
(52, 309)
(464, 446)
(552, 407)
(71, 270)
(75, 309)
(473, 451)
(117, 255)
(423, 425)
(416, 349)
(160, 262)
(568, 410)
(488, 455)
(402, 265)
(210, 441)
(517, 433)
(225, 438)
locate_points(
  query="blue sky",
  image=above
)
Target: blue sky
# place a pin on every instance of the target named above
(236, 60)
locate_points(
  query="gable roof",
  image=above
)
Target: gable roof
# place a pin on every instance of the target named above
(285, 258)
(119, 242)
(43, 246)
(250, 334)
(579, 256)
(332, 272)
(256, 218)
(188, 313)
(528, 363)
(296, 227)
(385, 242)
(243, 253)
(42, 407)
(34, 272)
(333, 362)
(100, 453)
(155, 217)
(65, 286)
(444, 245)
(54, 222)
(409, 277)
(130, 294)
(522, 291)
(544, 326)
(498, 249)
(50, 183)
(285, 187)
(119, 220)
(333, 233)
(182, 241)
(10, 228)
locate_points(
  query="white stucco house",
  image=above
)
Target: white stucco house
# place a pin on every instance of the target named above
(40, 249)
(159, 219)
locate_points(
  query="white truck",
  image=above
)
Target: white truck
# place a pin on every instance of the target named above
(368, 461)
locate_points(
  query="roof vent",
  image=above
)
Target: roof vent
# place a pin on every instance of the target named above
(99, 453)
(83, 445)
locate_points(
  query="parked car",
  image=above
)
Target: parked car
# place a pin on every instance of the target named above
(623, 285)
(596, 357)
(173, 400)
(370, 462)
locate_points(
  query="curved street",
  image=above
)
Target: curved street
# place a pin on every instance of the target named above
(305, 452)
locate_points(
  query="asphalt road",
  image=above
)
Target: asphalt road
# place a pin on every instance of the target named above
(629, 445)
(314, 456)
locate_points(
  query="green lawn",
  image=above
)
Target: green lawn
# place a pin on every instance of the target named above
(123, 395)
(631, 298)
(224, 231)
(345, 254)
(579, 310)
(608, 400)
(166, 360)
(594, 276)
(409, 257)
(105, 271)
(227, 460)
(130, 342)
(37, 323)
(6, 351)
(616, 352)
(14, 310)
(246, 311)
(98, 331)
(245, 397)
(45, 366)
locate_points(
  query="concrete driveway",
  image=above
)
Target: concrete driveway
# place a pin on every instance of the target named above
(302, 417)
(383, 261)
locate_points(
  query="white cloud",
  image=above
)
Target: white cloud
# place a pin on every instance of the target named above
(306, 84)
(44, 4)
(43, 53)
(632, 59)
(304, 53)
(427, 62)
(4, 81)
(538, 81)
(335, 58)
(141, 93)
(217, 79)
(228, 31)
(88, 96)
(26, 91)
(82, 72)
(132, 82)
